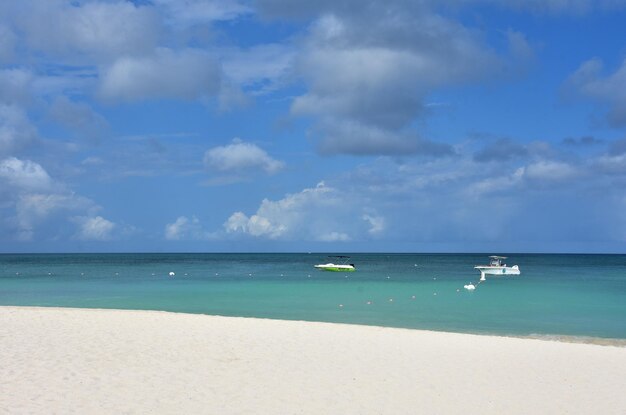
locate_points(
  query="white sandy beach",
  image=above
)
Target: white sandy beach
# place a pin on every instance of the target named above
(55, 360)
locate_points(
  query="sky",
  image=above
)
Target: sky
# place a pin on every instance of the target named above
(313, 126)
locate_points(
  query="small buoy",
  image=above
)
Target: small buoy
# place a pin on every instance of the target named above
(413, 297)
(469, 286)
(388, 277)
(434, 293)
(369, 302)
(391, 300)
(172, 273)
(340, 305)
(434, 278)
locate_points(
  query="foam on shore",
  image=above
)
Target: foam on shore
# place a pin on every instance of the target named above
(58, 360)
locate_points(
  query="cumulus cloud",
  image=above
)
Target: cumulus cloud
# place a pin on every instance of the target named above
(241, 158)
(16, 130)
(612, 164)
(610, 90)
(32, 209)
(551, 171)
(24, 174)
(321, 213)
(188, 74)
(16, 85)
(334, 237)
(86, 31)
(377, 223)
(501, 183)
(369, 72)
(184, 228)
(30, 197)
(94, 228)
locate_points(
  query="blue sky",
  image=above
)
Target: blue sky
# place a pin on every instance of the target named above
(338, 126)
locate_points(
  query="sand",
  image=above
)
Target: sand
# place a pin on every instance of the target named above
(55, 360)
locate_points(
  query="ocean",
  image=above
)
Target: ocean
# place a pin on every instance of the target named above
(579, 296)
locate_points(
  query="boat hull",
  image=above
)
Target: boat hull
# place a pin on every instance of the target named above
(336, 268)
(500, 271)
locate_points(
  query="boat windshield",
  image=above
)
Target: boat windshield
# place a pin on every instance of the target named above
(496, 261)
(343, 259)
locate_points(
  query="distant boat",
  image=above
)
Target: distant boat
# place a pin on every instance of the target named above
(496, 268)
(343, 266)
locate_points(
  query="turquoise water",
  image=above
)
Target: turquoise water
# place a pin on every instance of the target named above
(577, 295)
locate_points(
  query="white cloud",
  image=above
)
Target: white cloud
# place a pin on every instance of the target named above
(611, 164)
(16, 85)
(24, 174)
(321, 213)
(185, 228)
(254, 225)
(30, 198)
(89, 31)
(288, 217)
(369, 72)
(610, 90)
(182, 227)
(551, 171)
(188, 74)
(501, 183)
(333, 237)
(16, 131)
(32, 209)
(241, 157)
(377, 223)
(350, 137)
(94, 228)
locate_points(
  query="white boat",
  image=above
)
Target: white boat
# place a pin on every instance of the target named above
(342, 267)
(496, 268)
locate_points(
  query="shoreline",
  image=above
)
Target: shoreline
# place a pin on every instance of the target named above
(59, 360)
(560, 338)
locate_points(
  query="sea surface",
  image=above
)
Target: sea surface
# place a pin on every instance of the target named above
(578, 296)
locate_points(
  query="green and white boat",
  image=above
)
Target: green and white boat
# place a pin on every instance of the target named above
(343, 266)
